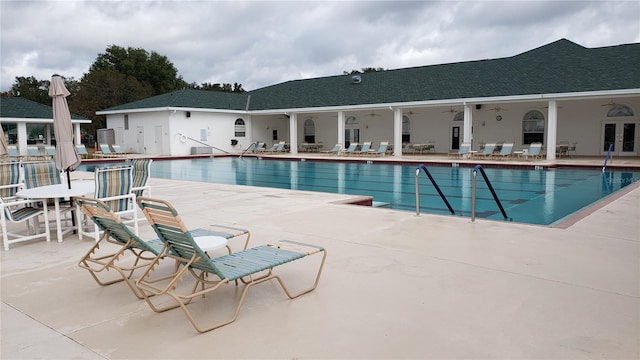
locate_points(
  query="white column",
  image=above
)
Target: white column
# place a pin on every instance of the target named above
(22, 137)
(468, 121)
(77, 134)
(293, 133)
(341, 128)
(397, 132)
(552, 130)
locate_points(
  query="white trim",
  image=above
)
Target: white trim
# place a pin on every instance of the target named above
(39, 120)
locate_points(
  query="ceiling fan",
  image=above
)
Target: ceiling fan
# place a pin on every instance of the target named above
(610, 104)
(498, 108)
(451, 110)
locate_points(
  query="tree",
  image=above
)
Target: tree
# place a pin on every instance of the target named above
(363, 70)
(32, 89)
(151, 69)
(236, 87)
(103, 89)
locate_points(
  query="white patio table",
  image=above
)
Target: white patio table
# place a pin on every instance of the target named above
(57, 192)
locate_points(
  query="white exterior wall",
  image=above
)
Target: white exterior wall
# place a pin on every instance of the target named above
(157, 132)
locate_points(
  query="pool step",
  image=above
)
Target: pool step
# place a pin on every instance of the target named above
(381, 204)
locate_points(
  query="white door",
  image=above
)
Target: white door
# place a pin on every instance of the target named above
(621, 136)
(140, 140)
(157, 139)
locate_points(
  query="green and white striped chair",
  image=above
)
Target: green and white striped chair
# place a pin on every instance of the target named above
(141, 174)
(113, 187)
(98, 261)
(17, 211)
(10, 181)
(41, 173)
(251, 266)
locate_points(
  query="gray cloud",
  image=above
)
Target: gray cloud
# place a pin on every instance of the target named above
(259, 43)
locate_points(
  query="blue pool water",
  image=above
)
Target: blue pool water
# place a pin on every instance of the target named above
(528, 196)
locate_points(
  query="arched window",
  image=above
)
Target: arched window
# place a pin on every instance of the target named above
(533, 127)
(459, 116)
(309, 131)
(240, 128)
(352, 120)
(619, 110)
(406, 129)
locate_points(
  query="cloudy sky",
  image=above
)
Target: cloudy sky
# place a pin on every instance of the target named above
(260, 43)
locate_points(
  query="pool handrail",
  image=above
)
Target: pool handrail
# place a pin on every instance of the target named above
(493, 192)
(604, 166)
(435, 185)
(253, 145)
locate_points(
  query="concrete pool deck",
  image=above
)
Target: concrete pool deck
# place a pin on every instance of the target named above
(395, 285)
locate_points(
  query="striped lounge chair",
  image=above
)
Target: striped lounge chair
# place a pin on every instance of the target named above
(251, 266)
(99, 261)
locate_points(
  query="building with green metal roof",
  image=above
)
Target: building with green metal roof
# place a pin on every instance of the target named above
(22, 117)
(559, 92)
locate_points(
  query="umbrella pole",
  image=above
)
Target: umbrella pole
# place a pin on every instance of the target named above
(68, 178)
(73, 218)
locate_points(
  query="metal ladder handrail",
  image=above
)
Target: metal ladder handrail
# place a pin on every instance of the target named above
(205, 144)
(493, 192)
(435, 185)
(253, 144)
(607, 157)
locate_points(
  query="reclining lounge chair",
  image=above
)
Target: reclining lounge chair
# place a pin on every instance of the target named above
(98, 261)
(251, 266)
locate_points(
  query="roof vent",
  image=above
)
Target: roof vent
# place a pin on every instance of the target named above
(356, 79)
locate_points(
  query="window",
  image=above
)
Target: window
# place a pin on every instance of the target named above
(240, 128)
(126, 121)
(459, 116)
(533, 127)
(352, 120)
(619, 110)
(406, 129)
(309, 131)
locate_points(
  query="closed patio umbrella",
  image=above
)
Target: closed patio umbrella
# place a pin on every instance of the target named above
(67, 158)
(3, 143)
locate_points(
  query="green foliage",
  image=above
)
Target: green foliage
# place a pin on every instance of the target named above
(101, 89)
(151, 69)
(236, 88)
(363, 71)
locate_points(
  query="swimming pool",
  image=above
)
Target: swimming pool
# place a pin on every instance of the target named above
(543, 197)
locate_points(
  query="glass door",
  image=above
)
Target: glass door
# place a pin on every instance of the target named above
(351, 135)
(621, 136)
(455, 137)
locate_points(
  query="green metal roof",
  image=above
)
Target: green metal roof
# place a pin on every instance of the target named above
(189, 98)
(17, 107)
(555, 68)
